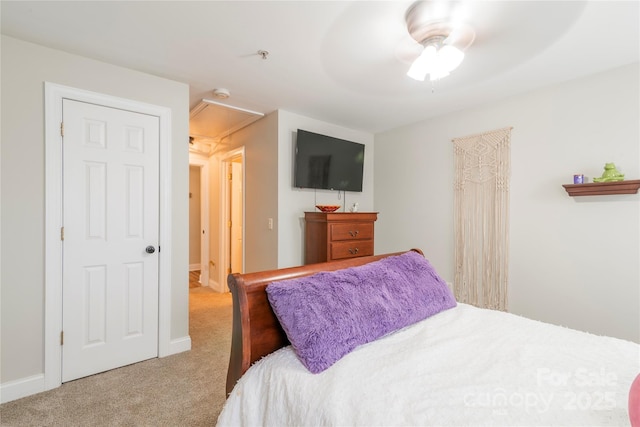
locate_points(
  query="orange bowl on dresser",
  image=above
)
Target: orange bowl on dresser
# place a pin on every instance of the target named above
(328, 208)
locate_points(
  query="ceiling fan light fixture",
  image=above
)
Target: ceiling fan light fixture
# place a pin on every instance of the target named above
(423, 63)
(436, 60)
(450, 57)
(443, 41)
(438, 74)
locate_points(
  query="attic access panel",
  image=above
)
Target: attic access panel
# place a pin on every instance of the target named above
(212, 120)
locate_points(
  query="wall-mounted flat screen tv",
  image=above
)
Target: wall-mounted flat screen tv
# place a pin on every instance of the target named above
(327, 163)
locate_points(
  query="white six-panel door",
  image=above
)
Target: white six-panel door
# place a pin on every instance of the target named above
(110, 245)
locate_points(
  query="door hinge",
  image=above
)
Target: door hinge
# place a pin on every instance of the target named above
(229, 270)
(229, 224)
(230, 176)
(61, 128)
(61, 233)
(61, 337)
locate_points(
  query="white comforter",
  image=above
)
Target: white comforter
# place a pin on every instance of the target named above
(463, 367)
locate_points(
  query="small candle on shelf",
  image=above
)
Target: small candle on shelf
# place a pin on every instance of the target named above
(578, 179)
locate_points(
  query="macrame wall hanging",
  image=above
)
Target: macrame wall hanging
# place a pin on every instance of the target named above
(481, 202)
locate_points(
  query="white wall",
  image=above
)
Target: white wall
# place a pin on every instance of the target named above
(25, 68)
(261, 191)
(294, 202)
(573, 261)
(269, 191)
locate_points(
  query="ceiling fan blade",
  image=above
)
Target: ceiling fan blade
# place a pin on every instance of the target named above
(407, 50)
(461, 37)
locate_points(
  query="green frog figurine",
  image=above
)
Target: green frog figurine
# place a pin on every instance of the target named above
(610, 174)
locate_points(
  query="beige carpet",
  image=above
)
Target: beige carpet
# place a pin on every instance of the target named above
(186, 389)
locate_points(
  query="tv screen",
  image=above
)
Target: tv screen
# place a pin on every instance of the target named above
(327, 163)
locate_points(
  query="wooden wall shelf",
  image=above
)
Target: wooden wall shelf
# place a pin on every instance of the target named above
(603, 188)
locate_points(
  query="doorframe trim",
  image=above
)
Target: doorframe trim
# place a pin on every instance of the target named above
(225, 160)
(53, 97)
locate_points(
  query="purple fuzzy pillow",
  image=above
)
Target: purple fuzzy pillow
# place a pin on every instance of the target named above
(328, 314)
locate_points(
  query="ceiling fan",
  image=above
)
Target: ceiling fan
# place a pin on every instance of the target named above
(440, 28)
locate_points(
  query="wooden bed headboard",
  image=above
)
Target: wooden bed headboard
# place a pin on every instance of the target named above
(256, 330)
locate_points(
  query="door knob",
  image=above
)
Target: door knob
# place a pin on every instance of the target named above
(150, 249)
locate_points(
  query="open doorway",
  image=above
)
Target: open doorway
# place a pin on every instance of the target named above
(199, 218)
(232, 209)
(195, 219)
(211, 123)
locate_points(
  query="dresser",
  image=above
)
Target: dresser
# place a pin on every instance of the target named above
(338, 235)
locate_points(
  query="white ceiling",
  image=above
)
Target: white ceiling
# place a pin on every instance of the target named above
(343, 62)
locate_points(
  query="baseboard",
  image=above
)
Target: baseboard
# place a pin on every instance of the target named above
(24, 387)
(13, 390)
(217, 287)
(193, 267)
(179, 345)
(213, 284)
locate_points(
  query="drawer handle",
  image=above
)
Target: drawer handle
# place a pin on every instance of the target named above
(353, 233)
(353, 251)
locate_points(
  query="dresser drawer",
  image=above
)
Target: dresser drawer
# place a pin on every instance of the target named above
(338, 235)
(351, 231)
(340, 250)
